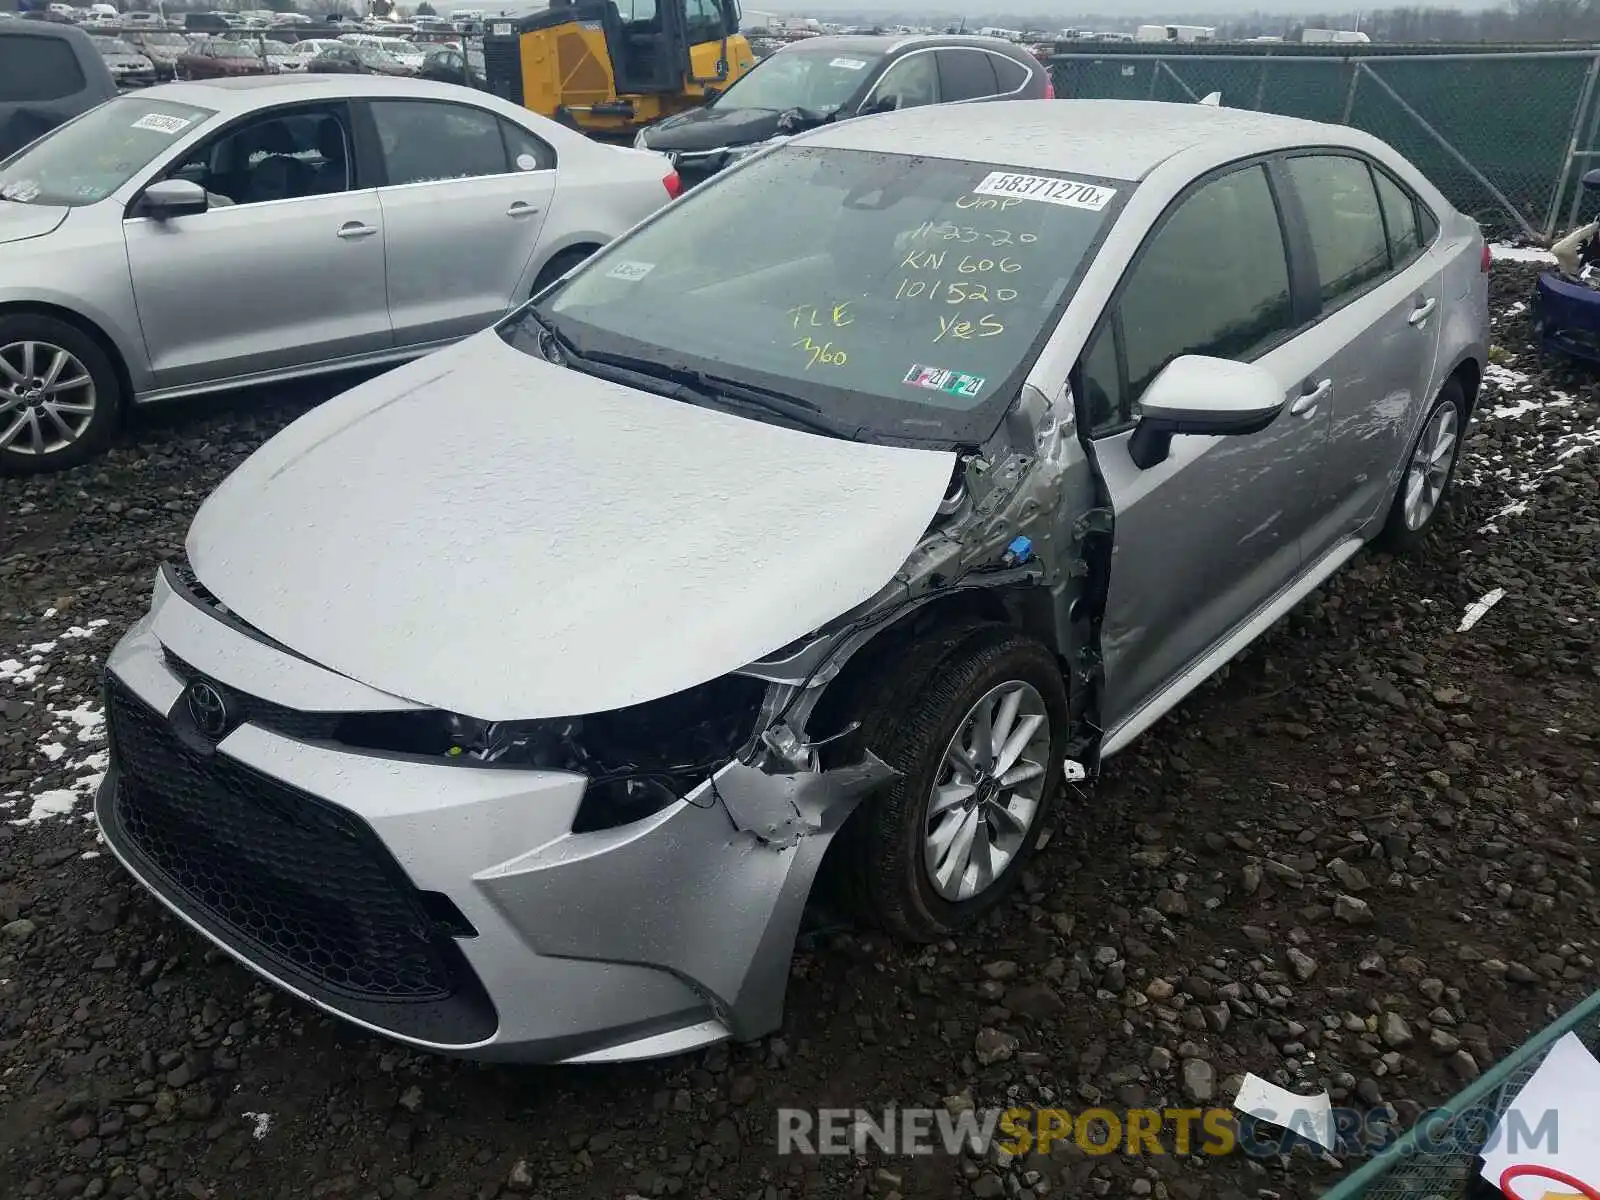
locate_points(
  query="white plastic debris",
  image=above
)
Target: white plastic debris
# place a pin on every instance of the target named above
(1309, 1116)
(262, 1122)
(1478, 608)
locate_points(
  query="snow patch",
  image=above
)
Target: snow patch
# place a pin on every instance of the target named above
(262, 1123)
(74, 745)
(1520, 254)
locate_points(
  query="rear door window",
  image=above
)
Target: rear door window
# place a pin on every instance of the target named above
(428, 140)
(965, 74)
(1345, 223)
(35, 69)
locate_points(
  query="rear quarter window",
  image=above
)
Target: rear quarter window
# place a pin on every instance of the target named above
(1013, 75)
(36, 69)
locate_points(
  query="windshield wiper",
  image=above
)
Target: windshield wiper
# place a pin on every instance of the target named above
(686, 383)
(731, 393)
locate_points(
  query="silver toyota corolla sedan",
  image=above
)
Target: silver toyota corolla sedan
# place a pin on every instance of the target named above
(203, 235)
(508, 704)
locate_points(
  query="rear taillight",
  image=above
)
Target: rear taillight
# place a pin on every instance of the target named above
(1049, 88)
(673, 184)
(1487, 260)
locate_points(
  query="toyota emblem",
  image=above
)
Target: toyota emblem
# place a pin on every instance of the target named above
(207, 709)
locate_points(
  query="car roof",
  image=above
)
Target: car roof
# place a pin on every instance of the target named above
(245, 92)
(896, 43)
(1112, 139)
(48, 29)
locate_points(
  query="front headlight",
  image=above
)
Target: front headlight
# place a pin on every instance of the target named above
(637, 760)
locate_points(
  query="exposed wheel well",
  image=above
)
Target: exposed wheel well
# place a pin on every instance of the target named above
(85, 326)
(1024, 608)
(559, 262)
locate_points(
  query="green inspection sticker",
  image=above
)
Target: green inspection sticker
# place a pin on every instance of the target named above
(938, 379)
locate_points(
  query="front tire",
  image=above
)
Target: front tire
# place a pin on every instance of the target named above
(1430, 469)
(977, 727)
(60, 398)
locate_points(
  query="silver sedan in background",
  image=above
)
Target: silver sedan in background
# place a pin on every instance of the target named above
(199, 236)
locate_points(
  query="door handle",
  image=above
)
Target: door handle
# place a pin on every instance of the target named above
(1421, 312)
(521, 209)
(1305, 404)
(355, 229)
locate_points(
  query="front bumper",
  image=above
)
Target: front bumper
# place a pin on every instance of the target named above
(444, 904)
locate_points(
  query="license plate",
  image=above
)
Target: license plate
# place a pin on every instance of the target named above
(501, 29)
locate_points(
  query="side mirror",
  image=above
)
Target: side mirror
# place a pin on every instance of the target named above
(882, 104)
(173, 198)
(1203, 396)
(712, 93)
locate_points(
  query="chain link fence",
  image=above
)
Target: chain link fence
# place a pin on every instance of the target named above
(1505, 134)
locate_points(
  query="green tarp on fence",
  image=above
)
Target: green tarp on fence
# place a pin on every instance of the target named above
(1505, 134)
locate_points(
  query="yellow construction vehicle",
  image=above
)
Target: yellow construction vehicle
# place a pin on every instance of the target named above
(610, 70)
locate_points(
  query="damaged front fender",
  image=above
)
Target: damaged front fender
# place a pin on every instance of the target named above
(711, 889)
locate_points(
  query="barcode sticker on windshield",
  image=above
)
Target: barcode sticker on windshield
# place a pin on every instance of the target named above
(632, 272)
(848, 64)
(161, 123)
(1069, 193)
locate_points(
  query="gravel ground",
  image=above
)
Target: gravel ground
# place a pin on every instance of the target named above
(1364, 859)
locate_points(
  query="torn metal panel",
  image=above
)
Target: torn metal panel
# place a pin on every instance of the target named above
(1031, 486)
(711, 890)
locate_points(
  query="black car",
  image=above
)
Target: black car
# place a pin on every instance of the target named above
(49, 73)
(337, 60)
(446, 64)
(823, 79)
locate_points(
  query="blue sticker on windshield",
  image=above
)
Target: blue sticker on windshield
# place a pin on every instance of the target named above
(938, 379)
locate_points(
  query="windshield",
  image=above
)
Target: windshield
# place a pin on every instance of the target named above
(113, 46)
(85, 160)
(162, 39)
(816, 80)
(217, 48)
(268, 46)
(371, 54)
(901, 296)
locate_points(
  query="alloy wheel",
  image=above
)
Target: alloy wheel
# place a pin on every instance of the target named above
(1429, 469)
(47, 398)
(991, 785)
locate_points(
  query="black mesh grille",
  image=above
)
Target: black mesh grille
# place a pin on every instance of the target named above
(294, 881)
(502, 67)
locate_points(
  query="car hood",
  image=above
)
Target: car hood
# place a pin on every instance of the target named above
(18, 222)
(712, 129)
(490, 534)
